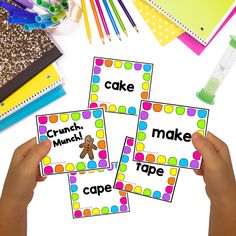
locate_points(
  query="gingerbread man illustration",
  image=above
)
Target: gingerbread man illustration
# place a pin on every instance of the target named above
(88, 147)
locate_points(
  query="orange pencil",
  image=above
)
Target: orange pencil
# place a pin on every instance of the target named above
(97, 21)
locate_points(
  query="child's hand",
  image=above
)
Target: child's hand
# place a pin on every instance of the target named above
(23, 173)
(216, 168)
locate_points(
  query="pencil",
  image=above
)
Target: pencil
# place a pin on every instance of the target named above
(118, 17)
(128, 15)
(86, 21)
(112, 19)
(97, 21)
(103, 19)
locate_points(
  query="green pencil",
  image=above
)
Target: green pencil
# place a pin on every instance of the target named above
(118, 17)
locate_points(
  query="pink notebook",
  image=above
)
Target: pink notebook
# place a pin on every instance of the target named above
(197, 47)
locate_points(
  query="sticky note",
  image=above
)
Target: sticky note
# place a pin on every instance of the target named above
(161, 26)
(118, 86)
(146, 179)
(92, 193)
(165, 132)
(78, 139)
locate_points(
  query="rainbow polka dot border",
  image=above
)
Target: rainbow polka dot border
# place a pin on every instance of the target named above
(49, 168)
(79, 211)
(201, 127)
(122, 183)
(94, 102)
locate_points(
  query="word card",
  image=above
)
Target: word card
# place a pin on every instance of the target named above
(164, 134)
(92, 193)
(155, 181)
(78, 141)
(119, 86)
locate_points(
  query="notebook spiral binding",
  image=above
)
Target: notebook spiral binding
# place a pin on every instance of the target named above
(154, 4)
(31, 99)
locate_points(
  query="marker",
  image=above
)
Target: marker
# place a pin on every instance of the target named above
(42, 18)
(207, 94)
(128, 15)
(13, 10)
(13, 20)
(111, 19)
(58, 16)
(47, 24)
(55, 8)
(64, 4)
(29, 27)
(22, 14)
(25, 3)
(43, 4)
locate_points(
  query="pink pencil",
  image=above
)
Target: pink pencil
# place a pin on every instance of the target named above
(103, 19)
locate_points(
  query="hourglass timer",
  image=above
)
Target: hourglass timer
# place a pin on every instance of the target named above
(207, 94)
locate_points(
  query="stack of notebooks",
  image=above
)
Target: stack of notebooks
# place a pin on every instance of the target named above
(29, 77)
(195, 23)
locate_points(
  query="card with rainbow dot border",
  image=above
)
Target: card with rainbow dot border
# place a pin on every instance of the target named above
(67, 131)
(104, 203)
(136, 75)
(166, 117)
(133, 179)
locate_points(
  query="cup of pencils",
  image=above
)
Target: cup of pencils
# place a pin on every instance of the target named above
(38, 14)
(104, 10)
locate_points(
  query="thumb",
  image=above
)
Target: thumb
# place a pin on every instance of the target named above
(206, 149)
(37, 153)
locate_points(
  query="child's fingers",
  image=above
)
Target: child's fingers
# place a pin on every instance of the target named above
(201, 170)
(23, 150)
(198, 172)
(41, 178)
(219, 145)
(37, 153)
(206, 149)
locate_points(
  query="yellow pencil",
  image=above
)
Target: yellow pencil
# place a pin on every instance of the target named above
(86, 21)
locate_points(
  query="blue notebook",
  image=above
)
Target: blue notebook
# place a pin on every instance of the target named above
(32, 107)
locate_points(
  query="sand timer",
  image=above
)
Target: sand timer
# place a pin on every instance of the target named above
(207, 94)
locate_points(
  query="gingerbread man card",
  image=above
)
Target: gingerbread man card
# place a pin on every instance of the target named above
(79, 141)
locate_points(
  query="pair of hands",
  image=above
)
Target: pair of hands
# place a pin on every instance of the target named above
(23, 175)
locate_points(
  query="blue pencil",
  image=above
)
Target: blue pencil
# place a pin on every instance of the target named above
(111, 19)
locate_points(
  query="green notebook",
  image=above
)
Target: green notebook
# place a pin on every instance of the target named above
(199, 18)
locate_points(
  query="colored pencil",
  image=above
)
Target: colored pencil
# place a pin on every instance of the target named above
(112, 19)
(103, 19)
(128, 15)
(97, 21)
(86, 21)
(113, 6)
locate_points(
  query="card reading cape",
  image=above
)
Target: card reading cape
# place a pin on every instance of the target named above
(92, 193)
(149, 180)
(164, 134)
(119, 86)
(78, 139)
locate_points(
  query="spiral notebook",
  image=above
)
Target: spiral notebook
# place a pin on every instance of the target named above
(42, 83)
(197, 47)
(32, 107)
(200, 19)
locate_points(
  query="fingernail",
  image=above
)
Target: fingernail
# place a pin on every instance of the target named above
(197, 136)
(46, 142)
